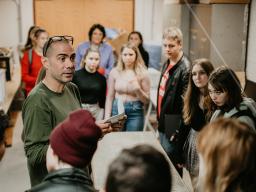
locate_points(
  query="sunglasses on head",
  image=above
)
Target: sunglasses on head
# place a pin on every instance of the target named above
(55, 39)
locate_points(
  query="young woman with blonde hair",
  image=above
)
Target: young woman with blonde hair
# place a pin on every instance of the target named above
(91, 84)
(227, 151)
(128, 82)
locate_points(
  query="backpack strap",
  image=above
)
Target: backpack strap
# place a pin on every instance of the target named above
(247, 113)
(30, 58)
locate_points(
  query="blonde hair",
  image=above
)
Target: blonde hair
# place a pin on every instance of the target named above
(139, 65)
(90, 49)
(173, 33)
(228, 150)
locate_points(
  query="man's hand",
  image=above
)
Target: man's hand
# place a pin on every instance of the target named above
(105, 127)
(108, 127)
(118, 126)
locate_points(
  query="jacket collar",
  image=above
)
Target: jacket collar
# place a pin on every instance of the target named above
(167, 63)
(70, 173)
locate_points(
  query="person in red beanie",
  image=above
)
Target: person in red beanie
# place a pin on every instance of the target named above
(72, 145)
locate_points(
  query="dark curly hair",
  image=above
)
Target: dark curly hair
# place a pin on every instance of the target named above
(96, 26)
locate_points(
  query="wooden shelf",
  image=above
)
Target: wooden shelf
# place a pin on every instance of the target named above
(12, 87)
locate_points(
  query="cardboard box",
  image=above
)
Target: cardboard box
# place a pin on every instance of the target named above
(225, 1)
(118, 42)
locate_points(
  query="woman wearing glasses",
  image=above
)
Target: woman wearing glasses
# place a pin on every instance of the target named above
(226, 97)
(128, 82)
(91, 84)
(96, 36)
(31, 61)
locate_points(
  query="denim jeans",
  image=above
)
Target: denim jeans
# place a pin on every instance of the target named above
(135, 115)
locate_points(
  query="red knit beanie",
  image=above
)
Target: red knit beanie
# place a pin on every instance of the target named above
(75, 139)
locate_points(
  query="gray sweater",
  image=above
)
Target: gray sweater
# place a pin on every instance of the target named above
(246, 104)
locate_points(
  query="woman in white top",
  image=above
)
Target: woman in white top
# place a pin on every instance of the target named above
(128, 82)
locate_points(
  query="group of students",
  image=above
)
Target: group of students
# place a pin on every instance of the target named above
(93, 62)
(72, 145)
(195, 92)
(199, 96)
(213, 94)
(55, 96)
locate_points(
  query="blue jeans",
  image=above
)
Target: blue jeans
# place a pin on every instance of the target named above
(135, 115)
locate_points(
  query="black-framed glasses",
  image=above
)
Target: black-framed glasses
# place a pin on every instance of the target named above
(56, 38)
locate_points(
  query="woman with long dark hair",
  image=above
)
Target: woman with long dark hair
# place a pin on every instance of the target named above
(226, 99)
(135, 38)
(31, 61)
(194, 111)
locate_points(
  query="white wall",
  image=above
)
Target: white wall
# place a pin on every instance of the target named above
(149, 19)
(11, 34)
(251, 60)
(9, 25)
(27, 18)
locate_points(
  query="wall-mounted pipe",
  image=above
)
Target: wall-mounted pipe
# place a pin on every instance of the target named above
(18, 6)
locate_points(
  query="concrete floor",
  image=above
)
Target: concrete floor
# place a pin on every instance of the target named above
(13, 169)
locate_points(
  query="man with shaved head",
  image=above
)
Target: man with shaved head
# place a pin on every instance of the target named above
(49, 103)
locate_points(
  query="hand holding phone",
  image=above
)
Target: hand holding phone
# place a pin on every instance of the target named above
(115, 119)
